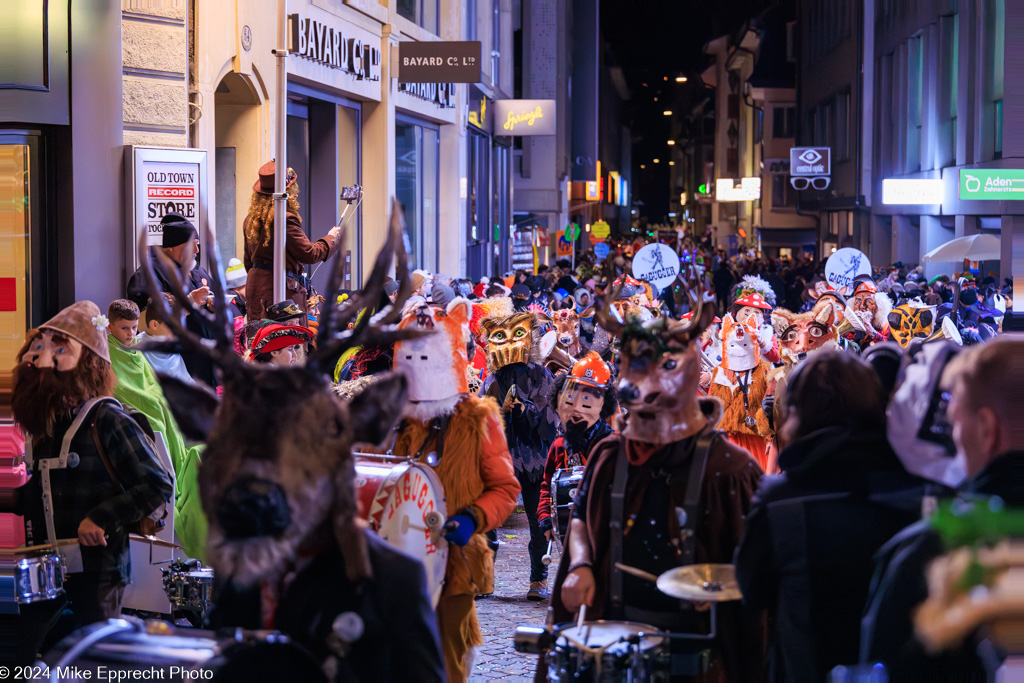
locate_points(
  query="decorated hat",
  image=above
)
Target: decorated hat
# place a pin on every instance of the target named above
(754, 283)
(83, 322)
(176, 230)
(265, 184)
(235, 274)
(592, 371)
(687, 316)
(754, 300)
(480, 290)
(865, 287)
(274, 337)
(283, 311)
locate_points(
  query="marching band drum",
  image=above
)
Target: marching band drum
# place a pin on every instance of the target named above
(404, 502)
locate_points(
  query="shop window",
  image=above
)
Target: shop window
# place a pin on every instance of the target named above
(423, 13)
(15, 253)
(998, 129)
(783, 194)
(416, 185)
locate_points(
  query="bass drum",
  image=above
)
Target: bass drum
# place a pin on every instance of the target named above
(123, 649)
(407, 509)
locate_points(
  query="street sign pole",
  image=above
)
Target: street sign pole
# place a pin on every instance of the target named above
(280, 144)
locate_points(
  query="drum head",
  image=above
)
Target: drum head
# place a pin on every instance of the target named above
(408, 512)
(602, 634)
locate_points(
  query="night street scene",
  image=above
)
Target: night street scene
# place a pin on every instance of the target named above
(604, 340)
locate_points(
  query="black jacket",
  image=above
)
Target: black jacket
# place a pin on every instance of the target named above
(899, 584)
(400, 640)
(810, 536)
(199, 366)
(531, 426)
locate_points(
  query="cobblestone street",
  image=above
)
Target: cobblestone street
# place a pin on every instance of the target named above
(502, 612)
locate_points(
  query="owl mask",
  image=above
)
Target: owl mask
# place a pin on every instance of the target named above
(510, 339)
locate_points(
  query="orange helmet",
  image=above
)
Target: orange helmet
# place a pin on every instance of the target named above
(591, 370)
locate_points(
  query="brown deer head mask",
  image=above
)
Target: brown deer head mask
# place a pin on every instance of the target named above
(276, 475)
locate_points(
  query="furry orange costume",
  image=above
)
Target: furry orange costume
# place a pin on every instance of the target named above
(462, 437)
(744, 420)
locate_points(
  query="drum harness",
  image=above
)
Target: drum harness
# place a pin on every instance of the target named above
(698, 454)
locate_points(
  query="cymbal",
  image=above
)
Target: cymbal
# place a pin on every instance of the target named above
(701, 583)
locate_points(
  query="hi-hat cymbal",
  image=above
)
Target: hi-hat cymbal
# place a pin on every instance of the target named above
(701, 583)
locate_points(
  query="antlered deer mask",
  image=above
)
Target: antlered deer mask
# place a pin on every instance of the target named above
(276, 476)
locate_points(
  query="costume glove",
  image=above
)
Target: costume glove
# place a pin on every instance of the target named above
(458, 529)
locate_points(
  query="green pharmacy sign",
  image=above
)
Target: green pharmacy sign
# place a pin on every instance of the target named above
(998, 184)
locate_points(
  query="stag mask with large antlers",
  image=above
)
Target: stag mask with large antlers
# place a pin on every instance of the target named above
(277, 470)
(659, 371)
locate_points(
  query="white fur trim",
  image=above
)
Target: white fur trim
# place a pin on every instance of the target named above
(428, 410)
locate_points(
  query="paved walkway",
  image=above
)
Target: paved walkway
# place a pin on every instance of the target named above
(501, 613)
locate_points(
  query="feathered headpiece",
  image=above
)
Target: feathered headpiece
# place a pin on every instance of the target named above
(751, 284)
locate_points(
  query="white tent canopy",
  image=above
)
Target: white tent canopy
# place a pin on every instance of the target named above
(972, 248)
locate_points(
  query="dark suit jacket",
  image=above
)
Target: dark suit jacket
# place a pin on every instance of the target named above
(400, 640)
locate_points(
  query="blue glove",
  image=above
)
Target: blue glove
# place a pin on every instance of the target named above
(458, 529)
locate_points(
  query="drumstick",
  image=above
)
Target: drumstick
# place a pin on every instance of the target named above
(547, 556)
(637, 572)
(582, 618)
(153, 540)
(45, 546)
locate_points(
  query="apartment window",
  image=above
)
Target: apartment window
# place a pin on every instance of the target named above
(842, 127)
(783, 122)
(998, 33)
(783, 194)
(416, 185)
(915, 96)
(423, 13)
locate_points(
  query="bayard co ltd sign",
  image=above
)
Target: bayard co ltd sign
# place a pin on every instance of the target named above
(326, 45)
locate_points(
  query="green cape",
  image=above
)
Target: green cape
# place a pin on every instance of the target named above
(138, 387)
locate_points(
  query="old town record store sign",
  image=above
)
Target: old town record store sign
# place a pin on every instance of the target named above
(318, 42)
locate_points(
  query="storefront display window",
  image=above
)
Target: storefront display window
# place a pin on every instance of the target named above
(421, 12)
(416, 185)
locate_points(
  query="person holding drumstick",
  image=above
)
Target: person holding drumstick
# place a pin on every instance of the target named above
(64, 364)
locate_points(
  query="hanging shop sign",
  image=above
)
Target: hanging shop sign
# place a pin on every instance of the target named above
(601, 250)
(600, 230)
(564, 247)
(160, 181)
(524, 117)
(423, 61)
(440, 94)
(657, 264)
(995, 184)
(912, 191)
(749, 189)
(318, 42)
(845, 265)
(810, 161)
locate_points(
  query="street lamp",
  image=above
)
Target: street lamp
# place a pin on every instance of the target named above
(680, 79)
(657, 161)
(671, 142)
(667, 112)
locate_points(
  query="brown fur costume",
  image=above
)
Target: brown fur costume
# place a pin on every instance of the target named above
(475, 470)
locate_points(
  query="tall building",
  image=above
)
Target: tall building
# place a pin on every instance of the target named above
(945, 103)
(114, 115)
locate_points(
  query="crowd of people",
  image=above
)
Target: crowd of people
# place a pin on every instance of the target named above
(748, 414)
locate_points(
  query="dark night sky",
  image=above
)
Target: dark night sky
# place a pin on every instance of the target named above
(652, 39)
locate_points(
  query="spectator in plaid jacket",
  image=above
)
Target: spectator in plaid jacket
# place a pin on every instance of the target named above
(63, 364)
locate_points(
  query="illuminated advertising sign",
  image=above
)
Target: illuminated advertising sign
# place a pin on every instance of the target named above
(525, 117)
(994, 184)
(749, 189)
(912, 191)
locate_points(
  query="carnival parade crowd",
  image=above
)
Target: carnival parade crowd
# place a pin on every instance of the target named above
(840, 467)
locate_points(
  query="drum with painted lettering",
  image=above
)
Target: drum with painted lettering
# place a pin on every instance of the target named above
(131, 649)
(407, 509)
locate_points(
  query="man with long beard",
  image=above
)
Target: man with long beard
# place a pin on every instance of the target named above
(64, 364)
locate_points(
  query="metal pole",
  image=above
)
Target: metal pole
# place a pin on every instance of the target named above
(280, 144)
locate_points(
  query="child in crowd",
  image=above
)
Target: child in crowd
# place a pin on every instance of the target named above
(171, 364)
(137, 386)
(123, 321)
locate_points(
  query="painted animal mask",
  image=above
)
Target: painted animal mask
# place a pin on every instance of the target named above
(907, 322)
(435, 366)
(801, 333)
(739, 344)
(582, 396)
(567, 326)
(509, 340)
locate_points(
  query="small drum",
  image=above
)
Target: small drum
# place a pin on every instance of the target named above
(38, 577)
(565, 484)
(407, 509)
(116, 648)
(189, 587)
(609, 651)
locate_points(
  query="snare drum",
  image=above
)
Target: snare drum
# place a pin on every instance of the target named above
(115, 648)
(38, 577)
(609, 651)
(407, 509)
(565, 484)
(190, 590)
